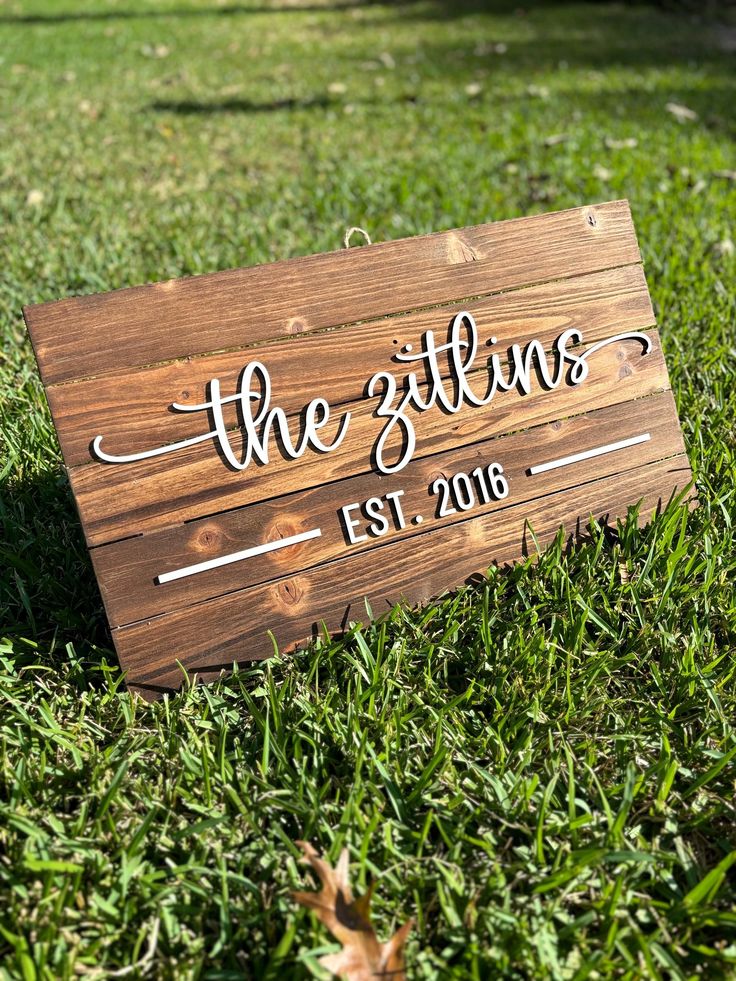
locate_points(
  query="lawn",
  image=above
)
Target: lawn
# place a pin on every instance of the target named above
(539, 769)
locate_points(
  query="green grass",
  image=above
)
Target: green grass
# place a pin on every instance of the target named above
(540, 769)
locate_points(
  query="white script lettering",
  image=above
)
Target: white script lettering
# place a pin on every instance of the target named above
(446, 369)
(461, 354)
(255, 386)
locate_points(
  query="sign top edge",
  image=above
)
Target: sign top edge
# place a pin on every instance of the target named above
(343, 255)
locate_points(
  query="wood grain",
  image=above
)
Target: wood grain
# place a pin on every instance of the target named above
(127, 571)
(113, 364)
(144, 496)
(336, 363)
(209, 637)
(95, 335)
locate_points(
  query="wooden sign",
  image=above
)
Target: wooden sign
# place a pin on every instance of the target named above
(263, 450)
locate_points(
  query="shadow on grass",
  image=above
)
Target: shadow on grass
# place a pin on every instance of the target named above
(437, 9)
(192, 107)
(227, 10)
(440, 8)
(606, 36)
(189, 107)
(714, 107)
(48, 591)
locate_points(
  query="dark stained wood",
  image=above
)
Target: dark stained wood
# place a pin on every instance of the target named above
(209, 637)
(147, 495)
(94, 335)
(337, 362)
(127, 570)
(323, 325)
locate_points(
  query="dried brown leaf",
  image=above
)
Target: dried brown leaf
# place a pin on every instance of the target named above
(626, 144)
(155, 50)
(724, 248)
(683, 113)
(363, 957)
(555, 139)
(602, 173)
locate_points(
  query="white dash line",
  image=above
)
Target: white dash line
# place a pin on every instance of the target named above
(565, 461)
(247, 553)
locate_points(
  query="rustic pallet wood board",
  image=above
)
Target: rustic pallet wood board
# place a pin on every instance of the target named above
(258, 452)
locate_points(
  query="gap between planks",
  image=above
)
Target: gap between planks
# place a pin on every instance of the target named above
(139, 321)
(300, 336)
(119, 588)
(106, 524)
(141, 644)
(618, 302)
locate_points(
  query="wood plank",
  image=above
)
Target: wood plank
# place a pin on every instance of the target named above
(131, 407)
(152, 494)
(324, 326)
(94, 335)
(209, 637)
(127, 571)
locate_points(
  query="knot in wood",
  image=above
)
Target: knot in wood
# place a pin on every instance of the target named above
(459, 251)
(289, 593)
(207, 539)
(280, 529)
